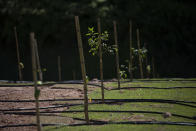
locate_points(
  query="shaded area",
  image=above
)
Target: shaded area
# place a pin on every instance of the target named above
(167, 27)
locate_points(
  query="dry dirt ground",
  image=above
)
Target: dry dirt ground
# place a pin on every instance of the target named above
(27, 93)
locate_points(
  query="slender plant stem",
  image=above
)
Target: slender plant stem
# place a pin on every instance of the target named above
(100, 59)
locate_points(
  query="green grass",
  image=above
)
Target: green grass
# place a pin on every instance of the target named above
(173, 94)
(160, 84)
(123, 128)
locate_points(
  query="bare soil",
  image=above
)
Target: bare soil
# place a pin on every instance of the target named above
(27, 93)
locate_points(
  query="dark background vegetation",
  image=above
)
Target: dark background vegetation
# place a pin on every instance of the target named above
(168, 27)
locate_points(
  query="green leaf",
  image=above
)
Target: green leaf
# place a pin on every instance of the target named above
(21, 65)
(87, 79)
(88, 34)
(91, 28)
(44, 69)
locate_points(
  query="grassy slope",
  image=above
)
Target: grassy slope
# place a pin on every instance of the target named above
(173, 94)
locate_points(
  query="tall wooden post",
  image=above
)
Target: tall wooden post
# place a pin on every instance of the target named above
(147, 66)
(82, 68)
(18, 55)
(34, 71)
(147, 71)
(153, 68)
(100, 59)
(130, 52)
(74, 74)
(140, 58)
(59, 67)
(117, 53)
(38, 62)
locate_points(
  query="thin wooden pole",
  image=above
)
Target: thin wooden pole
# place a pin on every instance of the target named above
(153, 68)
(18, 55)
(147, 71)
(130, 52)
(146, 67)
(38, 62)
(59, 67)
(82, 68)
(140, 59)
(74, 74)
(100, 59)
(117, 53)
(34, 71)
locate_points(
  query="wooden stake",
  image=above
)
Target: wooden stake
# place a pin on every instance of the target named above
(34, 71)
(74, 74)
(38, 62)
(140, 59)
(18, 55)
(59, 67)
(146, 63)
(147, 71)
(117, 54)
(130, 52)
(82, 68)
(153, 68)
(100, 59)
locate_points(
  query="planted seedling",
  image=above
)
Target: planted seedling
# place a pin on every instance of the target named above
(142, 52)
(97, 42)
(123, 71)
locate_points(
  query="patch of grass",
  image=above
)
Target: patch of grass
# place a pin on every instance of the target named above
(123, 128)
(160, 84)
(173, 94)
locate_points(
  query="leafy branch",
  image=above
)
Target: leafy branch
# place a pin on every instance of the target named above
(93, 41)
(142, 52)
